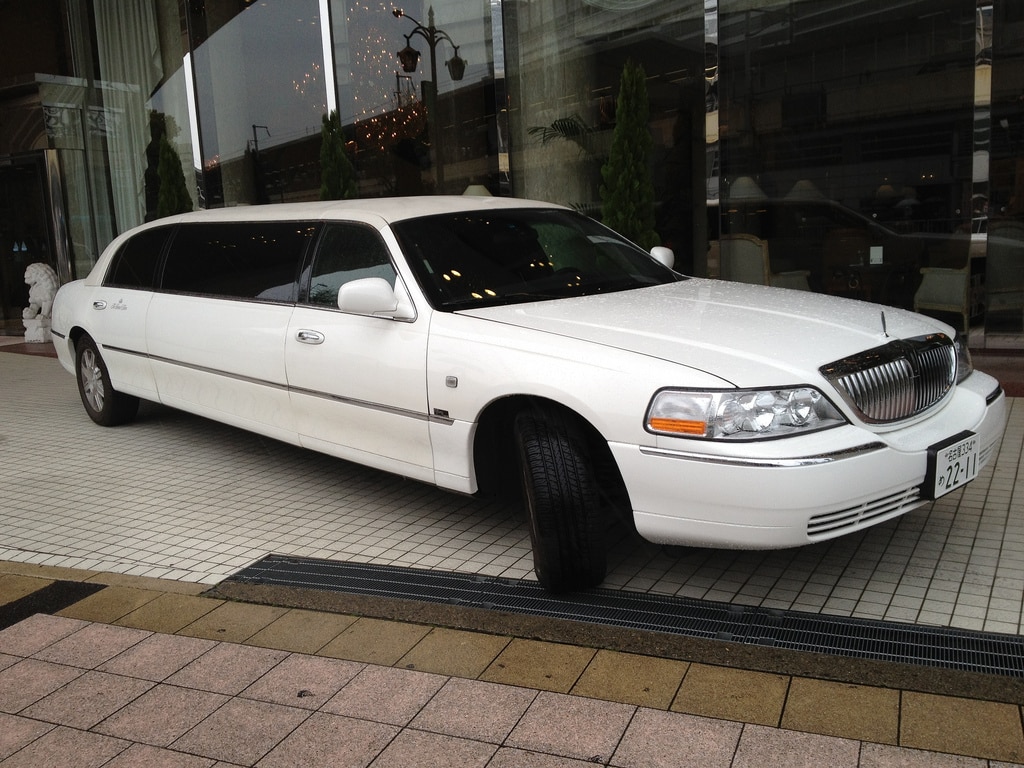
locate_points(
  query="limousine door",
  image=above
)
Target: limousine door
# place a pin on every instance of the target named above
(357, 383)
(222, 359)
(217, 327)
(117, 322)
(119, 310)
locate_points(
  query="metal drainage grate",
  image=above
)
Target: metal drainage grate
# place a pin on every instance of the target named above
(941, 647)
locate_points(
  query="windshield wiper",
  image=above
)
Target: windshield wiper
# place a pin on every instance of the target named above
(522, 297)
(498, 301)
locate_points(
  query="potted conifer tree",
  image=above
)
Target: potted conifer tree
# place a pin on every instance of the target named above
(337, 174)
(173, 194)
(627, 189)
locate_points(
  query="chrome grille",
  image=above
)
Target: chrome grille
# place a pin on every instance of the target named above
(897, 380)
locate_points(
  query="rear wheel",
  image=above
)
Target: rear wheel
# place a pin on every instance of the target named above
(563, 502)
(105, 405)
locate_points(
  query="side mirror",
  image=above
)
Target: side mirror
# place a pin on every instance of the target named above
(369, 296)
(663, 255)
(375, 296)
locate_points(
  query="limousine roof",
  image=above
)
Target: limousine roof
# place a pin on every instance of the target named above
(385, 209)
(376, 211)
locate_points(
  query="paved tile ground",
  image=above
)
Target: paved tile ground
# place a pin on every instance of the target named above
(79, 693)
(179, 497)
(150, 671)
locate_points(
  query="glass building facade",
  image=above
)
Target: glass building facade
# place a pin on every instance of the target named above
(866, 148)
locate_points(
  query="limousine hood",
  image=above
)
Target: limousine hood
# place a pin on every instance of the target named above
(741, 333)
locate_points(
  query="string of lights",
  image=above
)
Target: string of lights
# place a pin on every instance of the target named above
(382, 115)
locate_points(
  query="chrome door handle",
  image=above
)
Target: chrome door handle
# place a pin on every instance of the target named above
(309, 337)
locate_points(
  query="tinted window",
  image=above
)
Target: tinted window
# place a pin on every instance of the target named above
(241, 260)
(347, 252)
(476, 259)
(135, 263)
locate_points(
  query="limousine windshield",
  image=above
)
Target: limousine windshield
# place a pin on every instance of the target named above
(487, 258)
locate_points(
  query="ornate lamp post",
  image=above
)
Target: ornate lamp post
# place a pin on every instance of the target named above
(409, 59)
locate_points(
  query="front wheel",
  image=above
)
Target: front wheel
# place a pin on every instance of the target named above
(563, 502)
(105, 405)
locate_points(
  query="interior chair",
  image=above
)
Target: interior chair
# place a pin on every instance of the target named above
(945, 290)
(744, 259)
(948, 289)
(1004, 269)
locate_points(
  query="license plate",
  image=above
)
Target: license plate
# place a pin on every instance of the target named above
(951, 464)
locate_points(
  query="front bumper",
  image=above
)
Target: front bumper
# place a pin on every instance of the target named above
(827, 485)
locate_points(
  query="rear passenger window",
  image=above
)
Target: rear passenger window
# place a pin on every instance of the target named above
(136, 261)
(347, 252)
(240, 260)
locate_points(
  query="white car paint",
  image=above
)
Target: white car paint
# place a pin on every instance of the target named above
(404, 389)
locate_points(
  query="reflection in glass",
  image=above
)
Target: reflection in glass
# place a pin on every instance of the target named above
(107, 121)
(564, 62)
(403, 117)
(854, 121)
(1005, 268)
(261, 95)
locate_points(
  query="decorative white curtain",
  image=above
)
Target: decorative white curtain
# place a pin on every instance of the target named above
(128, 47)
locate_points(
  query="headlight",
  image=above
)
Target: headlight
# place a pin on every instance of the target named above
(748, 414)
(964, 364)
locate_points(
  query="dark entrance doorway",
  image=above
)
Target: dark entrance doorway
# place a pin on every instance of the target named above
(25, 232)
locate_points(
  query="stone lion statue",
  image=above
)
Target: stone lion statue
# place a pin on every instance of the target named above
(42, 287)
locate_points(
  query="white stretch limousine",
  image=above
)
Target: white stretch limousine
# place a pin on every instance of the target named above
(483, 343)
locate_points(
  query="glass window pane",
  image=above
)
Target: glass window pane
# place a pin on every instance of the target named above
(1004, 278)
(427, 126)
(490, 258)
(260, 96)
(846, 138)
(347, 252)
(135, 263)
(565, 60)
(249, 261)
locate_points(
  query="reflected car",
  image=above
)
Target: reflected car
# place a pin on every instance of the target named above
(494, 346)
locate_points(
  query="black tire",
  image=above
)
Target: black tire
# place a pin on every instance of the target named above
(563, 502)
(104, 404)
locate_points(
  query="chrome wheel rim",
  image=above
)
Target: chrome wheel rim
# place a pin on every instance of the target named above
(92, 380)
